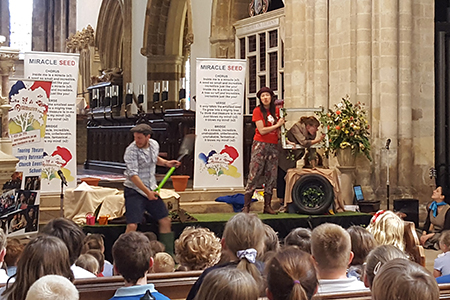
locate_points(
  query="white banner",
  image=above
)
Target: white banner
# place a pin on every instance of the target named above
(218, 156)
(60, 135)
(19, 205)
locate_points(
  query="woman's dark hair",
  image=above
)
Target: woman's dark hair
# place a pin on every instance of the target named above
(272, 103)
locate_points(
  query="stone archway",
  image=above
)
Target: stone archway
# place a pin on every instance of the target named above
(167, 39)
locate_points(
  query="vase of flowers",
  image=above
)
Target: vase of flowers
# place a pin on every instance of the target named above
(348, 131)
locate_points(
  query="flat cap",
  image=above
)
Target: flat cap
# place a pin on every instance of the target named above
(142, 128)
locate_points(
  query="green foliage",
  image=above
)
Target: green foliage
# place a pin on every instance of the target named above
(312, 196)
(347, 127)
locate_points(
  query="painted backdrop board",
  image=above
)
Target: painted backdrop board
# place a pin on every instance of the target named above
(60, 135)
(218, 159)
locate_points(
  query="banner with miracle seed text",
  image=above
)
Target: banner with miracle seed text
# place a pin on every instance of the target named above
(219, 124)
(60, 136)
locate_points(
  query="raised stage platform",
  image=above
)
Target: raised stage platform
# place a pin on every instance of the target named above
(282, 223)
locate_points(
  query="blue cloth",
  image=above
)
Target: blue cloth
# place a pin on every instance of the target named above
(135, 292)
(443, 279)
(434, 206)
(236, 200)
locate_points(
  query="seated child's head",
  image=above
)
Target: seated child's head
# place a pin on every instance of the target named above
(52, 287)
(197, 248)
(406, 280)
(291, 274)
(444, 241)
(331, 246)
(362, 243)
(13, 251)
(377, 258)
(300, 237)
(88, 262)
(388, 229)
(94, 241)
(132, 256)
(151, 235)
(99, 256)
(271, 242)
(164, 263)
(227, 284)
(157, 246)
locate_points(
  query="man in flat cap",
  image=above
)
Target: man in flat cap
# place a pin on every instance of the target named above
(141, 158)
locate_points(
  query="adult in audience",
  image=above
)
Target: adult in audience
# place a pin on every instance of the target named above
(387, 229)
(264, 155)
(243, 239)
(132, 258)
(377, 258)
(43, 255)
(362, 243)
(3, 276)
(331, 249)
(438, 220)
(227, 284)
(405, 280)
(442, 262)
(72, 235)
(141, 158)
(52, 287)
(291, 275)
(13, 251)
(197, 248)
(95, 241)
(300, 237)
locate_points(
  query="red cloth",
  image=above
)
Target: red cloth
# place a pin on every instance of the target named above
(100, 275)
(271, 137)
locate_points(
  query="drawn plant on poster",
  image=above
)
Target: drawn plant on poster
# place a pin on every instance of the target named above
(221, 163)
(57, 161)
(29, 106)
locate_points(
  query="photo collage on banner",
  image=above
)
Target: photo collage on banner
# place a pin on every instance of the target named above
(219, 124)
(19, 202)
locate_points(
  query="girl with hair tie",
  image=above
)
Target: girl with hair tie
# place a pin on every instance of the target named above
(264, 156)
(291, 275)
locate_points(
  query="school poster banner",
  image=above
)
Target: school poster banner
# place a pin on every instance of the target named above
(60, 135)
(19, 203)
(218, 159)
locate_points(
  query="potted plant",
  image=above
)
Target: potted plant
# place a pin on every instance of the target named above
(348, 130)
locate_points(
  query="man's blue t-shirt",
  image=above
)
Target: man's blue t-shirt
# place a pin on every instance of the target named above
(135, 292)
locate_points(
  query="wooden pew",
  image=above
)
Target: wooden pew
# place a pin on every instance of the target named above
(412, 244)
(175, 285)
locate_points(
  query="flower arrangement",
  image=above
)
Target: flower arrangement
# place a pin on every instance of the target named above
(347, 127)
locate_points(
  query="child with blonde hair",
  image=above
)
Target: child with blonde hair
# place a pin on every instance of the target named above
(291, 275)
(405, 280)
(88, 262)
(243, 239)
(388, 229)
(163, 263)
(197, 248)
(442, 262)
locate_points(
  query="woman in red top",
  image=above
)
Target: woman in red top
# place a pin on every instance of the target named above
(264, 157)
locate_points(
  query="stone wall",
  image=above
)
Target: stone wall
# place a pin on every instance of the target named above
(380, 53)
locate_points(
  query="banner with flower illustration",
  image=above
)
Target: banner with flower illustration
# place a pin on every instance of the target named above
(19, 205)
(60, 134)
(219, 117)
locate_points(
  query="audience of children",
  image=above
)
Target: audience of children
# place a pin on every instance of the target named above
(442, 262)
(197, 248)
(164, 263)
(100, 257)
(52, 287)
(96, 241)
(14, 249)
(88, 262)
(132, 257)
(362, 243)
(43, 255)
(405, 280)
